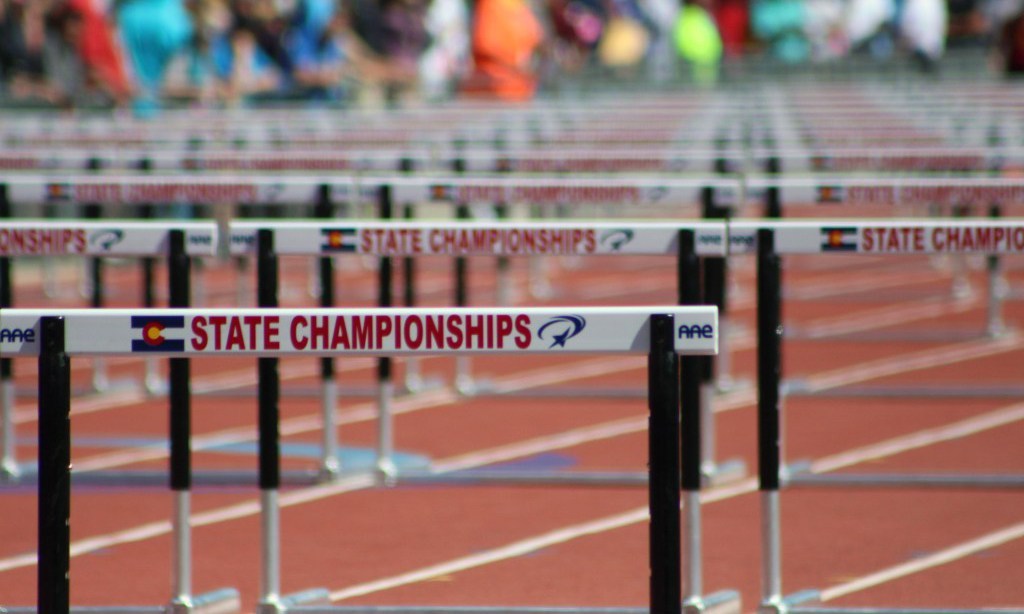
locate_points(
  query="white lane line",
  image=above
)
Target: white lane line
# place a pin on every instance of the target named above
(894, 446)
(942, 557)
(515, 549)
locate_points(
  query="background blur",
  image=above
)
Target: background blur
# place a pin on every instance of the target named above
(144, 55)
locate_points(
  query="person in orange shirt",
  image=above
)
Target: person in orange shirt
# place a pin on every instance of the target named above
(506, 36)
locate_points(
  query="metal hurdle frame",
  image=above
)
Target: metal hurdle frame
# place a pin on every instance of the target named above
(992, 193)
(340, 237)
(58, 336)
(771, 240)
(177, 241)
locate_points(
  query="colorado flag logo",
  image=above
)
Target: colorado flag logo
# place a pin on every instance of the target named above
(338, 240)
(838, 239)
(153, 331)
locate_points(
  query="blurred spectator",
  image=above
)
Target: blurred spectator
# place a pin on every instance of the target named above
(661, 65)
(870, 27)
(626, 37)
(1011, 46)
(506, 38)
(922, 25)
(446, 61)
(780, 24)
(389, 37)
(153, 32)
(99, 51)
(315, 44)
(22, 39)
(733, 18)
(79, 59)
(698, 42)
(578, 26)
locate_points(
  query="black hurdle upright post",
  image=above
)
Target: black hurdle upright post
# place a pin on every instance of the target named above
(180, 416)
(463, 382)
(503, 264)
(772, 195)
(152, 381)
(93, 211)
(994, 325)
(664, 467)
(269, 435)
(54, 505)
(8, 459)
(386, 468)
(717, 371)
(413, 380)
(692, 379)
(769, 414)
(330, 463)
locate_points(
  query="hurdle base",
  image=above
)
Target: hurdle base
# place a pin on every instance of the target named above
(469, 386)
(788, 605)
(310, 597)
(799, 474)
(525, 477)
(412, 609)
(721, 473)
(418, 384)
(799, 387)
(220, 601)
(722, 602)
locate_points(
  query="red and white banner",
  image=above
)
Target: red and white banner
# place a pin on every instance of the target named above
(477, 238)
(113, 238)
(321, 332)
(996, 236)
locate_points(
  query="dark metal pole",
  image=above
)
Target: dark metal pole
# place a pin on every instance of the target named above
(6, 293)
(54, 537)
(324, 209)
(693, 368)
(269, 378)
(180, 392)
(664, 471)
(769, 359)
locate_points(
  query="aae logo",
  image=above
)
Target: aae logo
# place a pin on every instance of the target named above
(25, 335)
(700, 331)
(562, 328)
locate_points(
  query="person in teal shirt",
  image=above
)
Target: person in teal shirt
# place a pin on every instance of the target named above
(153, 32)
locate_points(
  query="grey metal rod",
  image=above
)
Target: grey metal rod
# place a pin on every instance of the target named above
(461, 610)
(330, 464)
(771, 551)
(270, 527)
(693, 587)
(385, 435)
(828, 610)
(182, 531)
(508, 476)
(8, 455)
(909, 480)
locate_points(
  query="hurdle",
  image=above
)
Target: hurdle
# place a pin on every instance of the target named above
(409, 239)
(771, 240)
(59, 336)
(992, 193)
(178, 242)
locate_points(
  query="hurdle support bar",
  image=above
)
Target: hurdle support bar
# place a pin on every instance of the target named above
(9, 470)
(330, 464)
(664, 465)
(712, 608)
(385, 466)
(54, 503)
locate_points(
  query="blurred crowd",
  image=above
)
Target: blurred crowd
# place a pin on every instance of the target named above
(144, 53)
